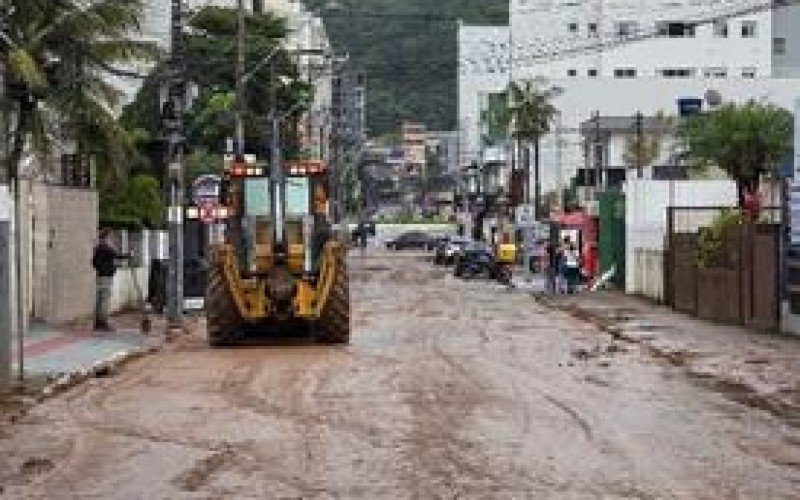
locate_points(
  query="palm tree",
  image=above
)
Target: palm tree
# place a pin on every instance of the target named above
(58, 55)
(530, 116)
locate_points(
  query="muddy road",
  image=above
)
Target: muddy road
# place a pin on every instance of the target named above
(449, 389)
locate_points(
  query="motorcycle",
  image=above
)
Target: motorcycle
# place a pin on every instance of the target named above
(474, 264)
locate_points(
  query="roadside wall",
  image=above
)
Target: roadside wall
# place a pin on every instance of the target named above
(63, 228)
(142, 245)
(646, 225)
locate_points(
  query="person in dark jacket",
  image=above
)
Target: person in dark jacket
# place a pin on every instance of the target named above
(103, 262)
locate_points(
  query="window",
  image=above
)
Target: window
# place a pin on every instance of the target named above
(675, 29)
(572, 27)
(748, 72)
(572, 72)
(715, 73)
(592, 72)
(779, 46)
(721, 29)
(592, 29)
(625, 28)
(676, 72)
(749, 29)
(624, 73)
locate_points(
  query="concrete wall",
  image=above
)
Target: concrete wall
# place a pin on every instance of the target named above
(125, 295)
(63, 223)
(646, 205)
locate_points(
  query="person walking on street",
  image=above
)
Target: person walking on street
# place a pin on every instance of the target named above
(103, 262)
(572, 268)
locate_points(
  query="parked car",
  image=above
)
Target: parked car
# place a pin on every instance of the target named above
(447, 250)
(412, 239)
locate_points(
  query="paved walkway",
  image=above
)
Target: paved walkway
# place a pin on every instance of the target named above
(758, 368)
(53, 350)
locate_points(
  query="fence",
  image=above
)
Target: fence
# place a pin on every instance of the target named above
(646, 204)
(742, 286)
(144, 246)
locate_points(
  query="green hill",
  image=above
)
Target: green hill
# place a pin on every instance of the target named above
(408, 49)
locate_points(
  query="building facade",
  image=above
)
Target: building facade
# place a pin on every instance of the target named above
(623, 57)
(646, 39)
(484, 69)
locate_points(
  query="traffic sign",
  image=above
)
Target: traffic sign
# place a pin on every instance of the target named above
(206, 190)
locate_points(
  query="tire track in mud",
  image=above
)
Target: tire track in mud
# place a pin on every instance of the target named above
(440, 451)
(582, 422)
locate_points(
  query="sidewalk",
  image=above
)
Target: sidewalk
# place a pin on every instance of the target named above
(52, 351)
(754, 368)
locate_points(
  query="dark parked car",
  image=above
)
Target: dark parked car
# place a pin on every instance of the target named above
(479, 260)
(468, 252)
(412, 239)
(446, 251)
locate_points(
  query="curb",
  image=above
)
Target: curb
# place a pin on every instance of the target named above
(98, 369)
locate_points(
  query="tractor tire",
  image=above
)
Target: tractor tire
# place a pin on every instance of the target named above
(222, 319)
(335, 317)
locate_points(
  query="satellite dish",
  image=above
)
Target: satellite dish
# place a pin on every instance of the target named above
(713, 98)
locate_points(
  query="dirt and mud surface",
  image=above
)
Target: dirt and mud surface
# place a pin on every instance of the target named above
(449, 389)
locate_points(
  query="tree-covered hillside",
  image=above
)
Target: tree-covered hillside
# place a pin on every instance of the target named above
(408, 49)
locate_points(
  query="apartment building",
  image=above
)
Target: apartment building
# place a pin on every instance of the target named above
(483, 70)
(655, 39)
(621, 57)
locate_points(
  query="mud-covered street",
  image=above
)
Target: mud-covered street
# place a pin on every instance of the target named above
(449, 389)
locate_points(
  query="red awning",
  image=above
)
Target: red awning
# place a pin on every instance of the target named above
(576, 220)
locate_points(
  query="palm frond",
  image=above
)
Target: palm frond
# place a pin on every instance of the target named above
(124, 50)
(24, 69)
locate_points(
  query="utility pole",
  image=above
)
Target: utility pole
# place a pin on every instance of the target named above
(174, 127)
(559, 180)
(598, 153)
(240, 84)
(6, 307)
(276, 172)
(537, 184)
(639, 137)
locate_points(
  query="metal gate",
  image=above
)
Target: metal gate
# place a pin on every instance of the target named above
(744, 288)
(195, 260)
(612, 235)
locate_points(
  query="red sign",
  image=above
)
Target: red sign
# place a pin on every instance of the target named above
(207, 213)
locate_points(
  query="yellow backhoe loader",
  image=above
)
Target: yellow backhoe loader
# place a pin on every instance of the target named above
(277, 263)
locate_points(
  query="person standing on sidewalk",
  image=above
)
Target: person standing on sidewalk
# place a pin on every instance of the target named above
(103, 262)
(572, 268)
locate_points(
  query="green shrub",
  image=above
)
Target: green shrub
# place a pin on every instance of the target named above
(711, 240)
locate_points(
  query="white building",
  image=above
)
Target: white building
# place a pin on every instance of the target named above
(483, 69)
(661, 39)
(624, 56)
